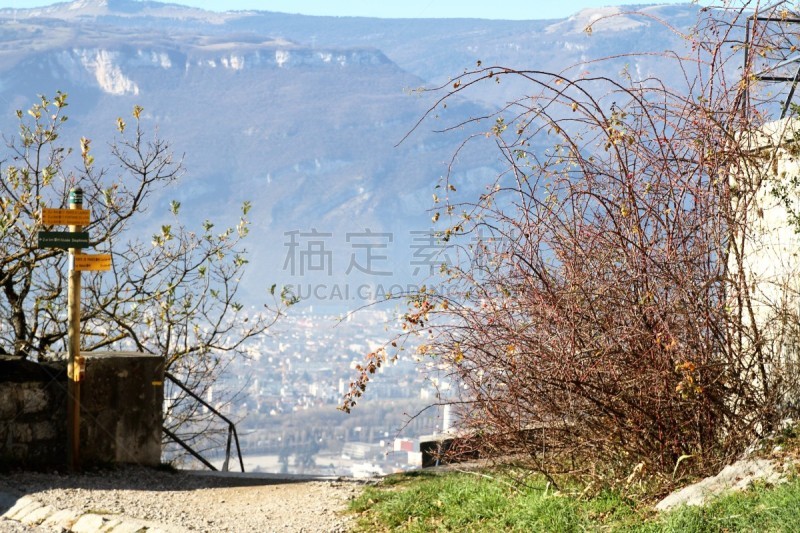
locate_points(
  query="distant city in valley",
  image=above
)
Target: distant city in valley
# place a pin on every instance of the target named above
(289, 391)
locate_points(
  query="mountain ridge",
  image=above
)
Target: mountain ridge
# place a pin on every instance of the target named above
(302, 116)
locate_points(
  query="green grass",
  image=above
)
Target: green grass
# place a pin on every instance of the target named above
(762, 508)
(467, 502)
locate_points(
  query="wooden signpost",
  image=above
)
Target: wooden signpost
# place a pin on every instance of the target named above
(75, 217)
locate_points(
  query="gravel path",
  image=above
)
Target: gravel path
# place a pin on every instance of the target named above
(179, 501)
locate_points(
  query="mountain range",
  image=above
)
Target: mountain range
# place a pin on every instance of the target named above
(304, 116)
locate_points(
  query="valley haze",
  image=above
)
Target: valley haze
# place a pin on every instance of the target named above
(306, 117)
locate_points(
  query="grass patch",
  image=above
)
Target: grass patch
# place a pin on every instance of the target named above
(495, 502)
(762, 508)
(465, 502)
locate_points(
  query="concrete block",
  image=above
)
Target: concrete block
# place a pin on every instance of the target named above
(123, 402)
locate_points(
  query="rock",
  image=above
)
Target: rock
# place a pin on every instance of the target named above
(738, 476)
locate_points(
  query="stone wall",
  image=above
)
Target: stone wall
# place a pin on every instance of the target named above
(121, 411)
(33, 425)
(771, 249)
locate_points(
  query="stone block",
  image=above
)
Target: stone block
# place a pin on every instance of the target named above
(37, 516)
(32, 413)
(21, 432)
(8, 400)
(34, 398)
(42, 431)
(61, 520)
(89, 523)
(23, 506)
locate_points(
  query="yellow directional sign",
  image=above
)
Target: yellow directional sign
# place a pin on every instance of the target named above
(92, 262)
(65, 217)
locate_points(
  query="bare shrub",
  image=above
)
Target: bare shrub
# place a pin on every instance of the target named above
(603, 307)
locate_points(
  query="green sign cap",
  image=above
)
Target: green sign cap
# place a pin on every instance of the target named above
(76, 196)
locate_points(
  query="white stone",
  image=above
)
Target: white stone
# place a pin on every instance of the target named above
(23, 506)
(61, 520)
(37, 516)
(736, 477)
(89, 523)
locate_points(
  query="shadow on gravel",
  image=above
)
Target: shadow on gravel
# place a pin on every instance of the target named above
(143, 479)
(7, 501)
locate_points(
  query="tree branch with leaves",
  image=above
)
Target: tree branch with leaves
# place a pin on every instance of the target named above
(175, 295)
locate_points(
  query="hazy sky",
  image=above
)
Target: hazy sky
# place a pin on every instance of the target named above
(502, 9)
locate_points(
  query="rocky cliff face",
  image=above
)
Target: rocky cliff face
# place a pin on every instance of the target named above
(302, 116)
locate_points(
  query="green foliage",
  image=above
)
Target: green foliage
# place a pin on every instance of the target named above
(469, 502)
(480, 502)
(176, 296)
(763, 508)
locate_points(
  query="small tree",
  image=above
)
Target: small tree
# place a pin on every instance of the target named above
(174, 295)
(601, 307)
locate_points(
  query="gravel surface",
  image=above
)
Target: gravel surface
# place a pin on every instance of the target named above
(182, 501)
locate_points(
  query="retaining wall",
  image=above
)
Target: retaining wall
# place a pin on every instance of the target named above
(121, 411)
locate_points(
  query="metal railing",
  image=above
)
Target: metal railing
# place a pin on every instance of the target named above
(772, 73)
(231, 431)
